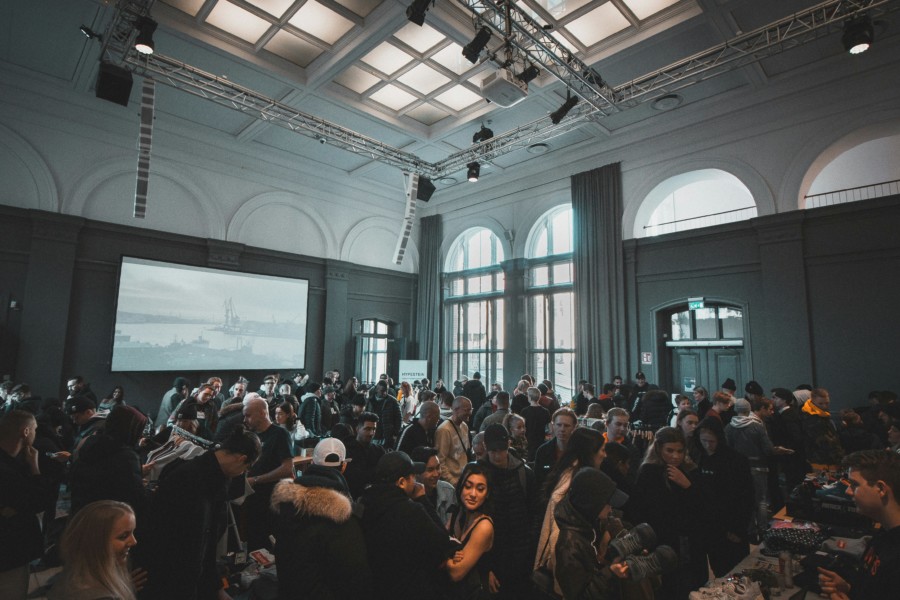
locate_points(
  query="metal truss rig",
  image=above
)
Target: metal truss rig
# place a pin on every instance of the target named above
(790, 32)
(797, 29)
(523, 32)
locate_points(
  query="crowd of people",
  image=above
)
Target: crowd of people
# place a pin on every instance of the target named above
(419, 491)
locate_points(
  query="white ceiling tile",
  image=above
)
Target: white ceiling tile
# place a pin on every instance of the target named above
(646, 8)
(393, 97)
(421, 39)
(423, 79)
(356, 79)
(598, 24)
(292, 48)
(387, 58)
(451, 58)
(427, 114)
(321, 22)
(560, 8)
(458, 98)
(238, 22)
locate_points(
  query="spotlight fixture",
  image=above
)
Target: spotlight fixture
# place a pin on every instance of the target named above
(144, 42)
(560, 113)
(90, 33)
(528, 74)
(482, 135)
(415, 12)
(858, 35)
(474, 48)
(474, 171)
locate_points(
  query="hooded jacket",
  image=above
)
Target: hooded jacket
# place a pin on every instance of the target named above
(320, 550)
(820, 436)
(577, 571)
(106, 470)
(747, 434)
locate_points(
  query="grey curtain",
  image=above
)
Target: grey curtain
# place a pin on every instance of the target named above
(599, 274)
(428, 303)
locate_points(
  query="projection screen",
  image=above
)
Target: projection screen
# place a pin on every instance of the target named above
(172, 317)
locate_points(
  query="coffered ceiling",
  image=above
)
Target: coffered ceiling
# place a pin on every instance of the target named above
(362, 65)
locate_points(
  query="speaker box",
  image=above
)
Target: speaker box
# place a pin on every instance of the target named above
(426, 189)
(114, 84)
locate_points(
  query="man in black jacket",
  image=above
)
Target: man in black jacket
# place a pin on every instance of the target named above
(474, 390)
(187, 517)
(515, 496)
(320, 551)
(23, 493)
(405, 546)
(421, 431)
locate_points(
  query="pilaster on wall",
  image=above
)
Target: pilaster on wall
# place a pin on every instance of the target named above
(48, 292)
(337, 324)
(515, 359)
(788, 354)
(632, 327)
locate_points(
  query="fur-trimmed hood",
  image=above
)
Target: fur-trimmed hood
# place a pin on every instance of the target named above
(312, 501)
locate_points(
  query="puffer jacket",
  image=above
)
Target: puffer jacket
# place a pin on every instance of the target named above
(320, 551)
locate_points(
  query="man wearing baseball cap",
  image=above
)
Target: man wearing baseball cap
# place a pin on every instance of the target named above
(404, 545)
(319, 546)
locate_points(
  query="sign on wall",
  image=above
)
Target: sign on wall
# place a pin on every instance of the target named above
(410, 370)
(646, 358)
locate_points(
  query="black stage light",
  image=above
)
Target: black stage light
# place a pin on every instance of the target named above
(415, 12)
(482, 135)
(858, 35)
(474, 171)
(560, 113)
(144, 42)
(528, 74)
(474, 48)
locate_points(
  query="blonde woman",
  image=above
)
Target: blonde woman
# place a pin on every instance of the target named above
(95, 548)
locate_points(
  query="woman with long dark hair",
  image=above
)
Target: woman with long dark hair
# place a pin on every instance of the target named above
(585, 449)
(472, 526)
(95, 549)
(668, 496)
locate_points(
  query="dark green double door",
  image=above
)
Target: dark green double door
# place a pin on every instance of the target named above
(707, 367)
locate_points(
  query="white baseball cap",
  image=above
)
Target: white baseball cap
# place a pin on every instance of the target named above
(330, 452)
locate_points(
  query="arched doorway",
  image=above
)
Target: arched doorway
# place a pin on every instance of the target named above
(704, 345)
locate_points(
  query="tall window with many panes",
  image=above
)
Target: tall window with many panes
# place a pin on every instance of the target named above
(551, 309)
(474, 305)
(372, 349)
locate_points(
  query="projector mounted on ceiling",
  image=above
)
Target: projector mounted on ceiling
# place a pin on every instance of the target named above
(503, 88)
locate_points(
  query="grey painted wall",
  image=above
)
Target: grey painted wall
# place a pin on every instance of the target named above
(63, 272)
(818, 288)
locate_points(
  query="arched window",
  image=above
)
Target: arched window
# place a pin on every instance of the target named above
(372, 349)
(701, 198)
(868, 170)
(551, 310)
(474, 304)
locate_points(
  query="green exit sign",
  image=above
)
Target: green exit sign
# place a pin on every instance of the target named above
(695, 303)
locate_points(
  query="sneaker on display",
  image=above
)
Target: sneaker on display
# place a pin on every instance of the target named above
(641, 537)
(662, 560)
